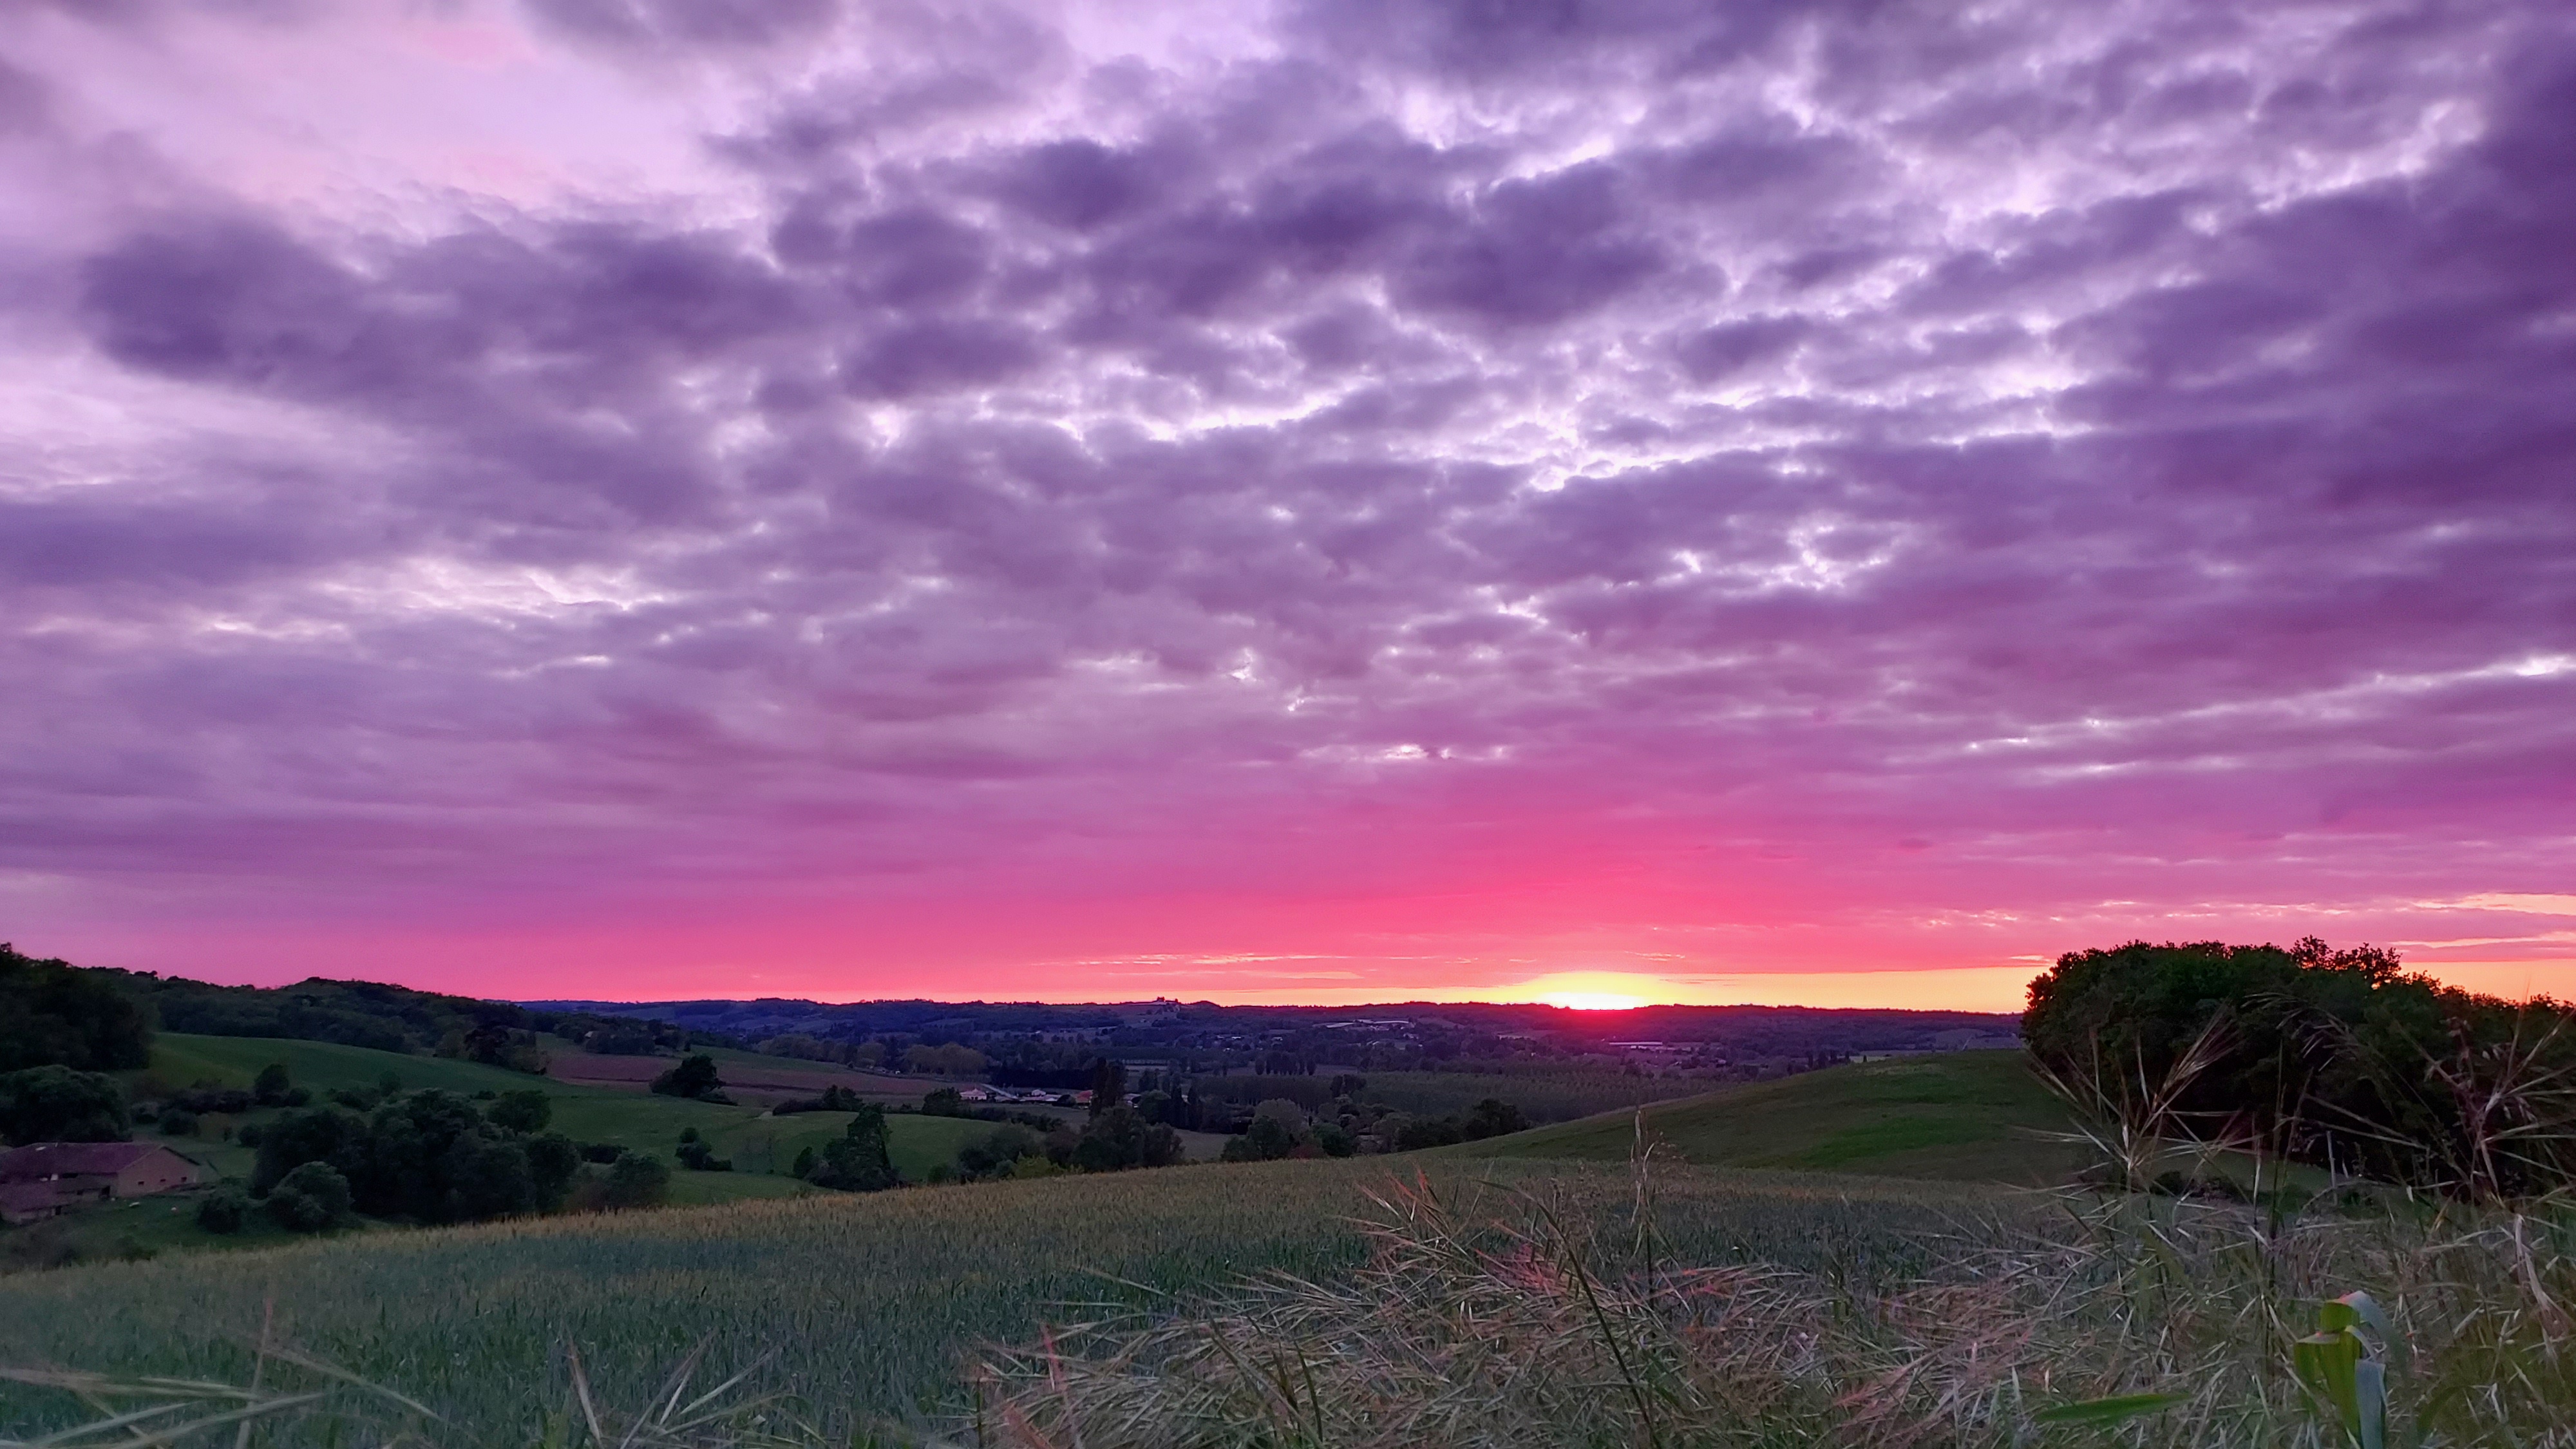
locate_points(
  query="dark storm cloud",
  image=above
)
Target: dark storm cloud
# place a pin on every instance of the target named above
(1987, 418)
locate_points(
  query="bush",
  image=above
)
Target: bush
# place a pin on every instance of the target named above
(600, 1151)
(309, 1199)
(697, 1156)
(178, 1123)
(224, 1210)
(637, 1181)
(695, 1077)
(272, 1084)
(943, 1102)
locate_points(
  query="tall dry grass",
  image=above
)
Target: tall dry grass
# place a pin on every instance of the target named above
(2139, 1319)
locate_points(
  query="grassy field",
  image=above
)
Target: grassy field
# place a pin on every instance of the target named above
(867, 1302)
(1968, 1116)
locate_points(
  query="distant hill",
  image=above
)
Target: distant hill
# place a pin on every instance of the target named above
(1969, 1116)
(1445, 1028)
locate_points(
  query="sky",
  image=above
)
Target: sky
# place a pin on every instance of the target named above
(1831, 503)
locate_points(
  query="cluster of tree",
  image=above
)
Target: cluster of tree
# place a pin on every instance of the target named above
(2342, 1058)
(1281, 1128)
(429, 1156)
(59, 1104)
(856, 1161)
(54, 1014)
(1115, 1139)
(694, 1078)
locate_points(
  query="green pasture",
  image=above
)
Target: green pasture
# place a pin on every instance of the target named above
(863, 1303)
(1965, 1116)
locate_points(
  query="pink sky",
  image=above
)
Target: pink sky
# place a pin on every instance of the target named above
(675, 498)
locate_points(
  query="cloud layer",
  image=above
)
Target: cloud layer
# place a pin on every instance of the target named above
(785, 497)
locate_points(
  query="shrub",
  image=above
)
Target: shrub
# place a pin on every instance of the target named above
(527, 1111)
(178, 1123)
(224, 1210)
(309, 1199)
(636, 1181)
(270, 1087)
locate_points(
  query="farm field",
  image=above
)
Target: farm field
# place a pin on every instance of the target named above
(867, 1302)
(1964, 1116)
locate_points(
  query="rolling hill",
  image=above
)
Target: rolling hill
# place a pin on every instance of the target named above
(1956, 1116)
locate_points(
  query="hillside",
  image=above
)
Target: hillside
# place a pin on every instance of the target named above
(1959, 1116)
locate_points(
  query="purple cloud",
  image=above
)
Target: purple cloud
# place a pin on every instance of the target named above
(1798, 489)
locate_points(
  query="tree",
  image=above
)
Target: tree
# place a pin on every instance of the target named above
(59, 1104)
(858, 1160)
(2320, 1054)
(312, 1197)
(270, 1087)
(53, 1013)
(943, 1102)
(178, 1122)
(524, 1111)
(553, 1159)
(1491, 1117)
(316, 1134)
(695, 1077)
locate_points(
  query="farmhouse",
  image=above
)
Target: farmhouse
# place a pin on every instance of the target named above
(27, 1202)
(43, 1178)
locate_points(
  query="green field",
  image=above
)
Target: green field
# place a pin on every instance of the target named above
(867, 1302)
(1966, 1116)
(758, 1144)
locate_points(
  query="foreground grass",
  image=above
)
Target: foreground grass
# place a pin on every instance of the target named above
(1961, 1116)
(866, 1306)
